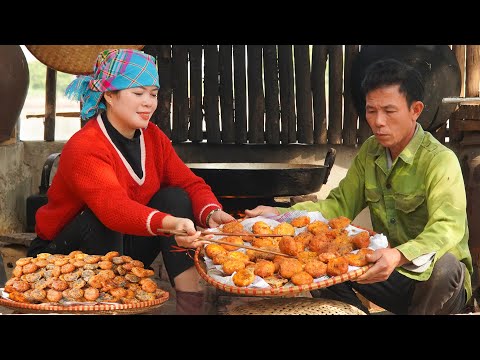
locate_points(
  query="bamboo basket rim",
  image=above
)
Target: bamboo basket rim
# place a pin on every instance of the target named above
(100, 308)
(72, 59)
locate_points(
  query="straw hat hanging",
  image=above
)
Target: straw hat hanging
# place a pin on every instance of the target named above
(72, 59)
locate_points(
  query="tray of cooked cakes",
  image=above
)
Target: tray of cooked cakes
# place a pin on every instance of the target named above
(312, 253)
(82, 283)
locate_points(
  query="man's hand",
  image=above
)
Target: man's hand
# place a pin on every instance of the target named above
(261, 210)
(386, 260)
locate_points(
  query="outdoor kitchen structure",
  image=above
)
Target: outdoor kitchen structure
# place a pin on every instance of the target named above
(266, 124)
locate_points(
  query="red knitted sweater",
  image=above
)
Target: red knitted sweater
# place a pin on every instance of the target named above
(92, 173)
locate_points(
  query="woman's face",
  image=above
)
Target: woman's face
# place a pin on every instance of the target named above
(131, 109)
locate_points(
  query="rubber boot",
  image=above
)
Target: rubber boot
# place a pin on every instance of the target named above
(190, 303)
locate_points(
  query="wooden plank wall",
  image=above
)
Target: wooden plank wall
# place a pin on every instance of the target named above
(259, 94)
(269, 94)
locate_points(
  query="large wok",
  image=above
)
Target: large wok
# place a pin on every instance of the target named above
(436, 63)
(264, 179)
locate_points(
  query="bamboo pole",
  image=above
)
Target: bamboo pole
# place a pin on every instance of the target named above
(319, 62)
(240, 94)
(196, 115)
(287, 94)
(272, 106)
(303, 94)
(350, 115)
(256, 99)
(335, 84)
(180, 94)
(226, 93)
(50, 104)
(211, 94)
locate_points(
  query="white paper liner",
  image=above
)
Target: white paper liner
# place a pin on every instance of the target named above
(378, 241)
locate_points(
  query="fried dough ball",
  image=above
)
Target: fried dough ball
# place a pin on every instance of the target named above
(277, 260)
(261, 227)
(232, 240)
(289, 267)
(284, 228)
(29, 268)
(137, 263)
(339, 222)
(105, 265)
(262, 242)
(17, 271)
(41, 263)
(148, 285)
(54, 295)
(237, 255)
(23, 261)
(316, 268)
(38, 295)
(243, 278)
(220, 258)
(289, 246)
(337, 266)
(59, 285)
(233, 227)
(67, 268)
(306, 256)
(141, 272)
(300, 221)
(361, 240)
(301, 278)
(92, 259)
(213, 249)
(321, 244)
(118, 292)
(317, 227)
(21, 286)
(232, 265)
(91, 294)
(110, 255)
(324, 257)
(264, 268)
(358, 259)
(304, 238)
(17, 296)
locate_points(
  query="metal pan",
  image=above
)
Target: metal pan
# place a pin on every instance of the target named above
(264, 179)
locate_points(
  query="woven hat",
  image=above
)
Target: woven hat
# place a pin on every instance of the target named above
(72, 59)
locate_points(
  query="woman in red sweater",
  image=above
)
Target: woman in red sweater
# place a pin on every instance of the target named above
(119, 179)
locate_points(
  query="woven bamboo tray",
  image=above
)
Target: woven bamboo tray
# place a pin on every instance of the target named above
(280, 291)
(99, 309)
(296, 306)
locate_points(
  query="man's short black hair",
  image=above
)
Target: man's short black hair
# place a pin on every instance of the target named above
(387, 72)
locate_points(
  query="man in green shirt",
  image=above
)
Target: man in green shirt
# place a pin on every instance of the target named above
(414, 189)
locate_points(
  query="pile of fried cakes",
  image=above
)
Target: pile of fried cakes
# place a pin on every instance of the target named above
(79, 277)
(322, 249)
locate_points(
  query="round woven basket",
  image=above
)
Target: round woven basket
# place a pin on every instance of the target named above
(295, 306)
(280, 291)
(72, 59)
(100, 308)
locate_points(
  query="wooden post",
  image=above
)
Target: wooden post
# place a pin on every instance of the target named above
(272, 107)
(256, 99)
(196, 115)
(319, 62)
(50, 104)
(180, 94)
(454, 134)
(350, 115)
(287, 94)
(211, 94)
(226, 93)
(239, 73)
(303, 94)
(472, 70)
(161, 116)
(335, 84)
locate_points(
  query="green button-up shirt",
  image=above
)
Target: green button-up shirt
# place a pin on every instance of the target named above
(419, 203)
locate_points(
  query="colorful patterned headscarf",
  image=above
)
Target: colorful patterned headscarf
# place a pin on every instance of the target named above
(115, 69)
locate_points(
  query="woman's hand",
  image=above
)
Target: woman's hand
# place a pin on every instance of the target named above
(218, 218)
(386, 260)
(186, 225)
(261, 210)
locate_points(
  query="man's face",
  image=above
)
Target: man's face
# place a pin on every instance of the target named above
(390, 118)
